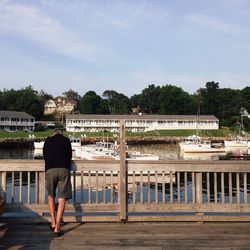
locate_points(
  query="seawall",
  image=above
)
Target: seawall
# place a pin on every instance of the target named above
(28, 142)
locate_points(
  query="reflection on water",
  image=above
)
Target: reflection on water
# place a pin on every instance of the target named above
(164, 151)
(144, 191)
(16, 153)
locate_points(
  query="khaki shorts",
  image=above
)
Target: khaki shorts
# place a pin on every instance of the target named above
(58, 177)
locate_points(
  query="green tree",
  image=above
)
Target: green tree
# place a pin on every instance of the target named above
(118, 103)
(28, 102)
(73, 95)
(174, 101)
(149, 99)
(211, 97)
(90, 103)
(245, 94)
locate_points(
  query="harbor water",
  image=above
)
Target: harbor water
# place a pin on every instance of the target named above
(164, 151)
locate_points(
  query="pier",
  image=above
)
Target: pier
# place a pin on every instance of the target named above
(201, 205)
(134, 204)
(133, 236)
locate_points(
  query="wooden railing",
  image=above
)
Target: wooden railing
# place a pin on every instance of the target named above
(135, 190)
(147, 191)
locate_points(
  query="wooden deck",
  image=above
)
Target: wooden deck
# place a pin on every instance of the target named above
(127, 236)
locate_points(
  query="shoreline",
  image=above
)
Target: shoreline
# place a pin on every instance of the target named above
(28, 142)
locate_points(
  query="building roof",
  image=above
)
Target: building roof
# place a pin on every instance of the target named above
(143, 117)
(15, 114)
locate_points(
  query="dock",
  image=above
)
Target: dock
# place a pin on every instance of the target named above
(143, 236)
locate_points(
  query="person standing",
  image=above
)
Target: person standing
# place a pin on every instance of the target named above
(57, 154)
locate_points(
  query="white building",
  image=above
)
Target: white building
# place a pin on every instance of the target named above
(14, 120)
(137, 123)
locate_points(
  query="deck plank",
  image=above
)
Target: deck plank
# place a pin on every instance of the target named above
(128, 236)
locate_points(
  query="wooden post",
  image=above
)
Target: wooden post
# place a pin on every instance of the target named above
(2, 191)
(41, 187)
(198, 186)
(3, 185)
(123, 175)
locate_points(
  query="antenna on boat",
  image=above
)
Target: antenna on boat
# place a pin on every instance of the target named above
(199, 102)
(198, 120)
(243, 112)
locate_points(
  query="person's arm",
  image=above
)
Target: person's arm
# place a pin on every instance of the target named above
(70, 150)
(45, 149)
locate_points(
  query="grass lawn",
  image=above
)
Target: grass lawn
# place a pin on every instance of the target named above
(151, 134)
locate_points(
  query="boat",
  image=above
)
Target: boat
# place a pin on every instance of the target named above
(109, 151)
(195, 144)
(75, 142)
(100, 151)
(38, 144)
(237, 141)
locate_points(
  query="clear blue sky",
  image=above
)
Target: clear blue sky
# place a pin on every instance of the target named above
(123, 45)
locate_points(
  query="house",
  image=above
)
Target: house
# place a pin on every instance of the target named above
(15, 121)
(60, 105)
(139, 123)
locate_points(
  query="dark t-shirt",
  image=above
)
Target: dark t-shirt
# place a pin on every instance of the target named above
(57, 152)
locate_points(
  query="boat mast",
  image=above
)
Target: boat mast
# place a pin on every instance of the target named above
(198, 120)
(243, 112)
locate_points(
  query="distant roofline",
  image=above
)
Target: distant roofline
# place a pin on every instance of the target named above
(15, 114)
(142, 117)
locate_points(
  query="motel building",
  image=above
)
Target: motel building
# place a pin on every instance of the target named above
(138, 123)
(16, 121)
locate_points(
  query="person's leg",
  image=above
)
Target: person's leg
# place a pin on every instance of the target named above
(60, 211)
(51, 205)
(64, 193)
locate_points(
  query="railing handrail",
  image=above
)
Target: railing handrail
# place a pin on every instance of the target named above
(133, 165)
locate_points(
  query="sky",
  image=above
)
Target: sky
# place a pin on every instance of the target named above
(123, 45)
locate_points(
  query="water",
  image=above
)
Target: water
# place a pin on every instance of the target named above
(165, 151)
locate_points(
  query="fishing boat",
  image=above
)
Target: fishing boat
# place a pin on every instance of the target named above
(109, 151)
(75, 142)
(237, 141)
(195, 144)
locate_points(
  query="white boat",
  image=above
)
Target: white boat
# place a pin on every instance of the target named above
(238, 141)
(38, 145)
(109, 151)
(194, 144)
(75, 142)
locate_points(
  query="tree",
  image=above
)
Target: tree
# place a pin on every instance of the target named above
(28, 102)
(118, 103)
(73, 95)
(9, 99)
(90, 103)
(1, 97)
(211, 98)
(149, 99)
(174, 101)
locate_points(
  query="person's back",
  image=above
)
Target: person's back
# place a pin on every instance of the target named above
(57, 152)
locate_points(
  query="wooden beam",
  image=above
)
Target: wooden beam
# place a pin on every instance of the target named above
(123, 174)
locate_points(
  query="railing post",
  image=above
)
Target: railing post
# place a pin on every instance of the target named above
(41, 188)
(198, 182)
(2, 185)
(123, 175)
(2, 190)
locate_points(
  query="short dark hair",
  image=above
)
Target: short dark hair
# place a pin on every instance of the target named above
(57, 131)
